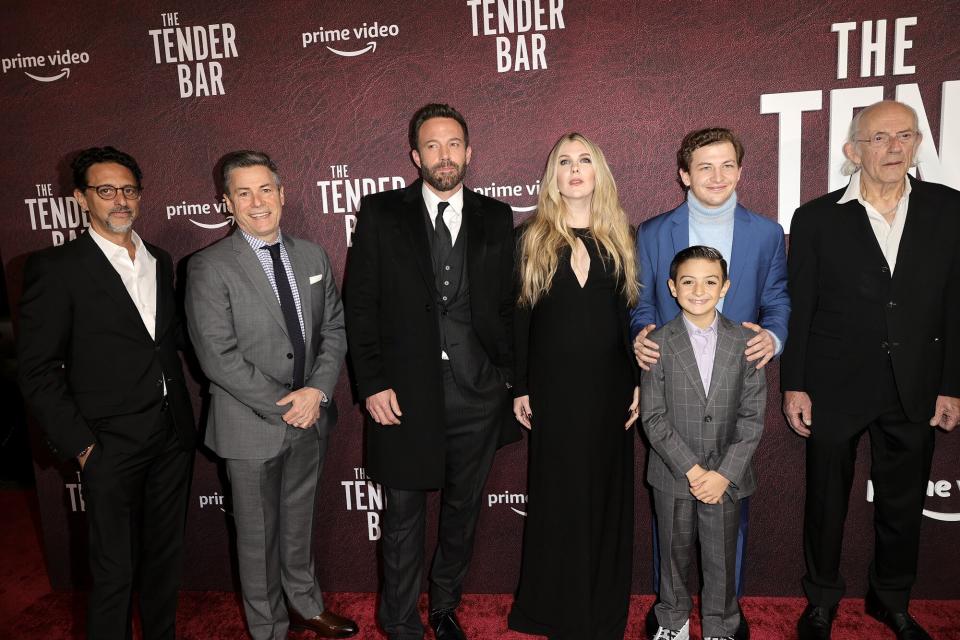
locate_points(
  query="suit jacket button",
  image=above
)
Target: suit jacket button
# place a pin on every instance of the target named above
(289, 356)
(288, 386)
(884, 269)
(427, 308)
(708, 418)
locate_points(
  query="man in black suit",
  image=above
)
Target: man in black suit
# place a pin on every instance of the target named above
(429, 300)
(874, 279)
(99, 334)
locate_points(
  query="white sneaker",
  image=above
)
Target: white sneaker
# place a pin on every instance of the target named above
(718, 638)
(668, 634)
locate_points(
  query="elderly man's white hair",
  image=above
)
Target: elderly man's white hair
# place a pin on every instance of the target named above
(849, 167)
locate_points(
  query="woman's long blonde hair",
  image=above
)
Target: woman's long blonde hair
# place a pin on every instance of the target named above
(547, 232)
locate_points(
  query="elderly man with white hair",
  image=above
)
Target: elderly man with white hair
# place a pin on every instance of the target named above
(874, 281)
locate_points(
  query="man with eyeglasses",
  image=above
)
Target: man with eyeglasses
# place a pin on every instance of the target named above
(874, 280)
(98, 364)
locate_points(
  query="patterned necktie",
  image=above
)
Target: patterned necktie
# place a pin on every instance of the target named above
(290, 318)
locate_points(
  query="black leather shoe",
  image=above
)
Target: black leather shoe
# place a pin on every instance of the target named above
(445, 625)
(902, 623)
(650, 622)
(815, 623)
(743, 631)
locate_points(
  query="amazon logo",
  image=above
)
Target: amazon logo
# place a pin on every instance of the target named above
(190, 210)
(350, 43)
(510, 500)
(46, 68)
(935, 489)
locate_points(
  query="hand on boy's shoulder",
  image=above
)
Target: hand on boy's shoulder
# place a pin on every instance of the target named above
(761, 345)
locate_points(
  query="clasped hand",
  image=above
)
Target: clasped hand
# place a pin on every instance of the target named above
(305, 407)
(707, 486)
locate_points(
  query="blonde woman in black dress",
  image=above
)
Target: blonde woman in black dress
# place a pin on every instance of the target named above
(576, 391)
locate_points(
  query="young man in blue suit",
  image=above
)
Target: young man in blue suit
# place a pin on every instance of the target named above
(709, 164)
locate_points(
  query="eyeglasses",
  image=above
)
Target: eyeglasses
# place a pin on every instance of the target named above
(109, 192)
(883, 139)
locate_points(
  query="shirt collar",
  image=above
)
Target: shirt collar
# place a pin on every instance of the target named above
(257, 244)
(432, 200)
(692, 328)
(110, 248)
(852, 191)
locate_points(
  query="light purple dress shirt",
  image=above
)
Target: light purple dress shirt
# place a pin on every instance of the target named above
(704, 343)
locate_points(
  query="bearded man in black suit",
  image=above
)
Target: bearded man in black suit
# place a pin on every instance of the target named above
(429, 301)
(98, 340)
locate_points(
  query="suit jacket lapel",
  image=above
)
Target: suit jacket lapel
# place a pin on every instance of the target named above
(918, 230)
(726, 355)
(739, 250)
(105, 276)
(415, 232)
(250, 264)
(474, 220)
(682, 346)
(862, 231)
(302, 276)
(680, 233)
(164, 304)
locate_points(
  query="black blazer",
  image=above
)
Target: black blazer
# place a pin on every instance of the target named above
(393, 330)
(848, 312)
(86, 361)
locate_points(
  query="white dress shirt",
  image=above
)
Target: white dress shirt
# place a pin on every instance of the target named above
(139, 275)
(888, 235)
(452, 215)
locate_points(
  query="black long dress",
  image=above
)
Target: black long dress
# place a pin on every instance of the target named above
(574, 359)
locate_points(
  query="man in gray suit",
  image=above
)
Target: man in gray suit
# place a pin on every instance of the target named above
(266, 322)
(702, 408)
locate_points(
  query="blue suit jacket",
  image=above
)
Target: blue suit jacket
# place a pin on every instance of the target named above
(758, 271)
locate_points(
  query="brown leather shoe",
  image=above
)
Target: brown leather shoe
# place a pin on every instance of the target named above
(326, 625)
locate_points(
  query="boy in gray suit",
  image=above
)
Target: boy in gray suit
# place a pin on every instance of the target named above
(702, 408)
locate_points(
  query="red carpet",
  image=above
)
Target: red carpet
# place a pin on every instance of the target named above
(28, 609)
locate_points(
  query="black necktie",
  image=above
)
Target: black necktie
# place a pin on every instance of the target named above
(442, 233)
(290, 318)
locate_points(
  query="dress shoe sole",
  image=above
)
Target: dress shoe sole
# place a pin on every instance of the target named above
(331, 634)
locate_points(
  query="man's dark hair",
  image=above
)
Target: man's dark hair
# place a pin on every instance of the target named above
(242, 159)
(435, 110)
(696, 139)
(697, 252)
(97, 155)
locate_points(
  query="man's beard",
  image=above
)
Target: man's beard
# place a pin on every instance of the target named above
(444, 182)
(120, 228)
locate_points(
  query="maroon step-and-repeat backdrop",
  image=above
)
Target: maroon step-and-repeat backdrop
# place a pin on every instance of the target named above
(327, 88)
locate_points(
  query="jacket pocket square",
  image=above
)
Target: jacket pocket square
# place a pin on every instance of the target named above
(317, 278)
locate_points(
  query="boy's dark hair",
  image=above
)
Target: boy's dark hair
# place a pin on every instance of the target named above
(243, 159)
(435, 110)
(96, 155)
(696, 139)
(697, 252)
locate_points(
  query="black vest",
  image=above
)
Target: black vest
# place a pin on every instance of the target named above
(469, 362)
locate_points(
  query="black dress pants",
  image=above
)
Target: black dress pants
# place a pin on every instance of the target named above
(135, 495)
(901, 455)
(471, 439)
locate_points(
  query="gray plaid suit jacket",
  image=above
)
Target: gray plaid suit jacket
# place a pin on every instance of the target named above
(718, 429)
(237, 329)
